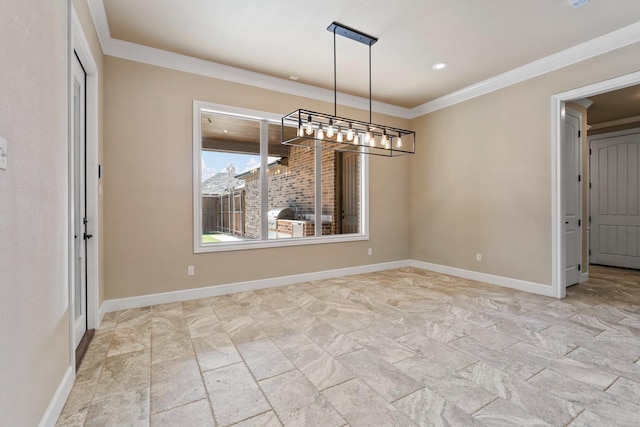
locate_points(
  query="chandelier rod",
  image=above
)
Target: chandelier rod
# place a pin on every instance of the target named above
(370, 121)
(335, 76)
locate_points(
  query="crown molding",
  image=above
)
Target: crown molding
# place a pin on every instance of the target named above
(189, 64)
(581, 52)
(583, 102)
(135, 52)
(619, 122)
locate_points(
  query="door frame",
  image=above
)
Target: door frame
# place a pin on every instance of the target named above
(78, 43)
(77, 161)
(558, 288)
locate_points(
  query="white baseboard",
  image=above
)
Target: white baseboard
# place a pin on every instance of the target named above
(59, 399)
(506, 282)
(584, 277)
(212, 291)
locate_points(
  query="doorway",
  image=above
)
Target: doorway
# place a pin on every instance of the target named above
(84, 191)
(559, 241)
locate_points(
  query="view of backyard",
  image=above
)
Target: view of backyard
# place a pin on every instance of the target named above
(231, 191)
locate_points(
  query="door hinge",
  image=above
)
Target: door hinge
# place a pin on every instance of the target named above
(579, 222)
(579, 178)
(589, 186)
(589, 219)
(579, 134)
(589, 252)
(589, 151)
(579, 267)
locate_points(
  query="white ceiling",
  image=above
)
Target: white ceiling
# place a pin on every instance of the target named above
(479, 39)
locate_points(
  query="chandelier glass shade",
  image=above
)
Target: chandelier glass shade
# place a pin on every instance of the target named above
(331, 132)
(344, 134)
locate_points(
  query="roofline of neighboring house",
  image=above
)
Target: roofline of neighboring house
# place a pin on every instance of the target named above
(250, 171)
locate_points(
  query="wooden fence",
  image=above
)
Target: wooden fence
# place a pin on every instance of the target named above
(224, 213)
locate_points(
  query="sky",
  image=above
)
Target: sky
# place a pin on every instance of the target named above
(214, 162)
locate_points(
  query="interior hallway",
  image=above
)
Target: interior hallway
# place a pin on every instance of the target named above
(401, 347)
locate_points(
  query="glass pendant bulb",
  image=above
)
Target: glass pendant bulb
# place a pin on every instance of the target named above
(309, 126)
(356, 139)
(320, 133)
(399, 141)
(330, 131)
(369, 138)
(339, 137)
(350, 133)
(300, 128)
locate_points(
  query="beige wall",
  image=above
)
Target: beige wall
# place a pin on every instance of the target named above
(34, 324)
(148, 188)
(481, 178)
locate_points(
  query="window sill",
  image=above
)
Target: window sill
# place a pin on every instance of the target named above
(276, 243)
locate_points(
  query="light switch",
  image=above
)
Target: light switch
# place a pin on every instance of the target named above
(3, 153)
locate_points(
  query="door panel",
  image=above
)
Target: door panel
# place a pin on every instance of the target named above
(350, 193)
(571, 198)
(79, 204)
(615, 213)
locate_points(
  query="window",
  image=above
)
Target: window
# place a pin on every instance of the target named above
(251, 191)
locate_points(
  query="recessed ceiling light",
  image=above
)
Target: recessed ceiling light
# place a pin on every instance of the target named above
(294, 78)
(439, 65)
(225, 131)
(577, 3)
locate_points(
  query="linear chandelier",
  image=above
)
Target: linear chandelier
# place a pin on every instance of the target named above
(331, 132)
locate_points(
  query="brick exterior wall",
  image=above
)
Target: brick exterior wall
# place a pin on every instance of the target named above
(293, 186)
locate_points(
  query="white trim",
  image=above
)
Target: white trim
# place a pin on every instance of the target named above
(557, 237)
(81, 46)
(507, 282)
(100, 22)
(557, 105)
(584, 102)
(58, 400)
(584, 277)
(134, 52)
(212, 291)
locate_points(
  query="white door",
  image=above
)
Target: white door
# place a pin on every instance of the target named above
(615, 214)
(571, 201)
(79, 202)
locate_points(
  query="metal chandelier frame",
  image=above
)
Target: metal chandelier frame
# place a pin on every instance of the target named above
(331, 132)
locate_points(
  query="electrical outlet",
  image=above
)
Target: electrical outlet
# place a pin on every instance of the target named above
(3, 153)
(191, 270)
(370, 251)
(479, 257)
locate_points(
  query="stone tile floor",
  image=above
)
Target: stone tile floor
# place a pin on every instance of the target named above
(402, 347)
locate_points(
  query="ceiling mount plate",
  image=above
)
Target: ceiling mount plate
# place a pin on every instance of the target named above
(352, 34)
